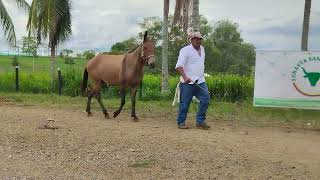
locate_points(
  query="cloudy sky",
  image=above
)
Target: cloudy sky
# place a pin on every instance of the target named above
(268, 24)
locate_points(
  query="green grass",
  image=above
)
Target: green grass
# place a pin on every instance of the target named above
(227, 87)
(41, 64)
(230, 88)
(231, 113)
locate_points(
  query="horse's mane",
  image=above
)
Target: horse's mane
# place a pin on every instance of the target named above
(134, 49)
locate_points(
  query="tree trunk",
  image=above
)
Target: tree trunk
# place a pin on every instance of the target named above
(195, 18)
(305, 28)
(185, 23)
(52, 68)
(165, 73)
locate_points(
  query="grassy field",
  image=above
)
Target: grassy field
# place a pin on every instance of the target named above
(223, 87)
(41, 64)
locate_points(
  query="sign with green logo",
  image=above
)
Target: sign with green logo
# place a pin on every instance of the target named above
(287, 79)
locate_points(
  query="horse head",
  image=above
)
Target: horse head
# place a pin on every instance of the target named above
(148, 51)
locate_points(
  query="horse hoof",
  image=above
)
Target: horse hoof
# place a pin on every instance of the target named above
(89, 114)
(107, 116)
(135, 119)
(115, 114)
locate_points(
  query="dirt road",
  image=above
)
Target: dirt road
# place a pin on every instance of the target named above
(153, 148)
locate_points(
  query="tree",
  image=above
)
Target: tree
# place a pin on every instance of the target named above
(89, 54)
(226, 52)
(79, 55)
(118, 47)
(6, 22)
(66, 52)
(50, 19)
(305, 28)
(154, 27)
(181, 15)
(164, 69)
(29, 45)
(185, 10)
(124, 46)
(195, 17)
(235, 55)
(176, 37)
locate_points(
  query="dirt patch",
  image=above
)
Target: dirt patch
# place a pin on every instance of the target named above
(153, 148)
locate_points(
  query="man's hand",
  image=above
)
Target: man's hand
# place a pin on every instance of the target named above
(187, 80)
(181, 72)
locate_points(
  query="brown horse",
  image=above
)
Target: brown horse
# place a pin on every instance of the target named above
(124, 70)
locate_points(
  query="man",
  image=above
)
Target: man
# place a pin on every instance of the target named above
(190, 66)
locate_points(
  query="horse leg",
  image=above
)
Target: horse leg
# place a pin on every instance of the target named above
(98, 96)
(133, 102)
(97, 93)
(123, 101)
(90, 95)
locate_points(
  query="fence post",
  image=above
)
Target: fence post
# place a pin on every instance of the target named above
(59, 82)
(17, 78)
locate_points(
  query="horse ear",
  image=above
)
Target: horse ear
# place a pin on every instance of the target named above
(145, 36)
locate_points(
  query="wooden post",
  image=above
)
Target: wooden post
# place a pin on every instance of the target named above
(59, 82)
(17, 78)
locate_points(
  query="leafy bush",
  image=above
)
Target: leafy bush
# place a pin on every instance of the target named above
(228, 87)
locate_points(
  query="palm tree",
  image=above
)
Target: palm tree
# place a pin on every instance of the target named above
(165, 73)
(6, 22)
(50, 20)
(305, 28)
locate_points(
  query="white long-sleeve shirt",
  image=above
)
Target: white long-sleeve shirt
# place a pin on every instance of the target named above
(192, 63)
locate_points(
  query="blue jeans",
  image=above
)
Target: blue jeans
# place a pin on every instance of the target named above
(187, 91)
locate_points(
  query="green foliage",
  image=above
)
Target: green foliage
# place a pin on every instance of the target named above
(236, 56)
(6, 22)
(65, 53)
(124, 46)
(230, 88)
(225, 50)
(69, 60)
(50, 20)
(79, 55)
(71, 81)
(89, 54)
(29, 82)
(154, 27)
(29, 45)
(42, 64)
(15, 61)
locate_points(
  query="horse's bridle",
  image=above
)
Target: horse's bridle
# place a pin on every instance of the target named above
(144, 57)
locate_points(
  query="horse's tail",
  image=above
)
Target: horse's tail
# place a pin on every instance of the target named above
(84, 82)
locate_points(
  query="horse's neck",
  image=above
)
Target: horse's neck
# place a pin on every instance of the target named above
(139, 63)
(137, 56)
